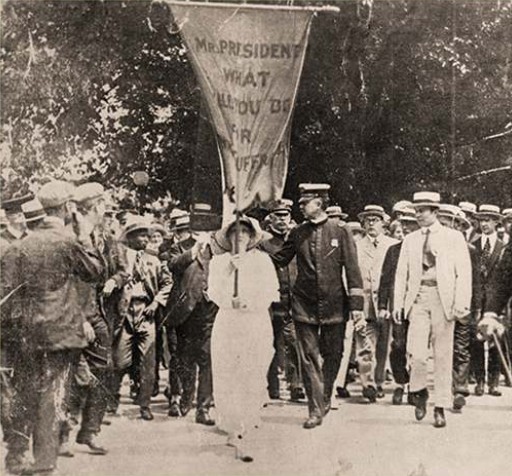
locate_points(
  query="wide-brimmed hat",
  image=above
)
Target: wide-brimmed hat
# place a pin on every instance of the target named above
(156, 227)
(136, 224)
(336, 211)
(221, 237)
(461, 219)
(33, 211)
(372, 210)
(426, 199)
(468, 208)
(489, 211)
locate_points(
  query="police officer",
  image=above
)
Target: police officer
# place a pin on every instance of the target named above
(321, 304)
(285, 341)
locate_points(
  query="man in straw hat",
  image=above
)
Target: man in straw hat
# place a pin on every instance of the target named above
(489, 248)
(432, 290)
(34, 214)
(453, 217)
(47, 263)
(191, 313)
(285, 339)
(321, 305)
(143, 296)
(398, 349)
(473, 232)
(371, 251)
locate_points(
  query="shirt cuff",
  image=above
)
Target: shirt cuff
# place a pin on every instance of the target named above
(356, 299)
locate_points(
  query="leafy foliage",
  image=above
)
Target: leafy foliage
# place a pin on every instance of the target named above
(396, 96)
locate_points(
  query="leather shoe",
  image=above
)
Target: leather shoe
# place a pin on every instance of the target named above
(459, 402)
(342, 392)
(410, 398)
(439, 419)
(380, 392)
(145, 414)
(16, 464)
(296, 394)
(185, 407)
(203, 417)
(398, 395)
(370, 393)
(312, 422)
(493, 391)
(420, 401)
(65, 450)
(174, 410)
(327, 407)
(479, 389)
(274, 395)
(93, 446)
(29, 470)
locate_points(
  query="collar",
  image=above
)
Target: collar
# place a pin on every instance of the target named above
(319, 219)
(277, 232)
(493, 237)
(434, 228)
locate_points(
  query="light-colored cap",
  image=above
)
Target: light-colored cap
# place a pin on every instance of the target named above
(426, 199)
(372, 210)
(336, 211)
(55, 194)
(408, 214)
(401, 205)
(355, 226)
(468, 208)
(88, 191)
(449, 210)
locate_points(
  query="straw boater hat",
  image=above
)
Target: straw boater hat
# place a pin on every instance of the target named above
(468, 208)
(507, 214)
(426, 199)
(33, 211)
(180, 222)
(448, 210)
(372, 210)
(335, 211)
(13, 205)
(221, 237)
(136, 224)
(408, 214)
(355, 226)
(489, 211)
(401, 206)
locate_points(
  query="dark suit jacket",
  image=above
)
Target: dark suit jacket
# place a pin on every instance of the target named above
(488, 276)
(190, 276)
(325, 252)
(49, 263)
(501, 285)
(387, 278)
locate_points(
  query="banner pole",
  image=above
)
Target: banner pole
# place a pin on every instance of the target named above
(257, 6)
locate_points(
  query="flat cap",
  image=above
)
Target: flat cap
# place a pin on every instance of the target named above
(88, 191)
(54, 194)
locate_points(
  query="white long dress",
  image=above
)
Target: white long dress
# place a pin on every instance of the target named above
(241, 339)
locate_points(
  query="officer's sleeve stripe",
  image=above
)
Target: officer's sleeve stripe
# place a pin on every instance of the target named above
(355, 292)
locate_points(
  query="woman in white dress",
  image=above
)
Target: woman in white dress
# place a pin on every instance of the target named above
(242, 335)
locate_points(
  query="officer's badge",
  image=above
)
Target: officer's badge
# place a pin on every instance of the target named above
(335, 243)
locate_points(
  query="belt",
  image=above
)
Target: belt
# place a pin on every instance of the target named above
(429, 283)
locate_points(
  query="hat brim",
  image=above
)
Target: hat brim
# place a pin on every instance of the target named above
(363, 215)
(125, 234)
(221, 237)
(483, 215)
(426, 204)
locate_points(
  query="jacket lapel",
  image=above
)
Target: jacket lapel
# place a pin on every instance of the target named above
(495, 254)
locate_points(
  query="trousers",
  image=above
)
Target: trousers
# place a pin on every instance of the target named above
(135, 344)
(461, 358)
(320, 350)
(427, 323)
(398, 353)
(285, 350)
(40, 404)
(175, 386)
(194, 353)
(478, 361)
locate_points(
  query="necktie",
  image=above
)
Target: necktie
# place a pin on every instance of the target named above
(375, 242)
(486, 255)
(429, 260)
(139, 264)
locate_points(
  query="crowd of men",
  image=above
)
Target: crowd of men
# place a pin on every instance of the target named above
(92, 292)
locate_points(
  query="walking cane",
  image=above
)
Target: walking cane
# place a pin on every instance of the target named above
(508, 372)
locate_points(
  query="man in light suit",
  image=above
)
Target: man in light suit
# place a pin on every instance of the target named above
(371, 251)
(432, 291)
